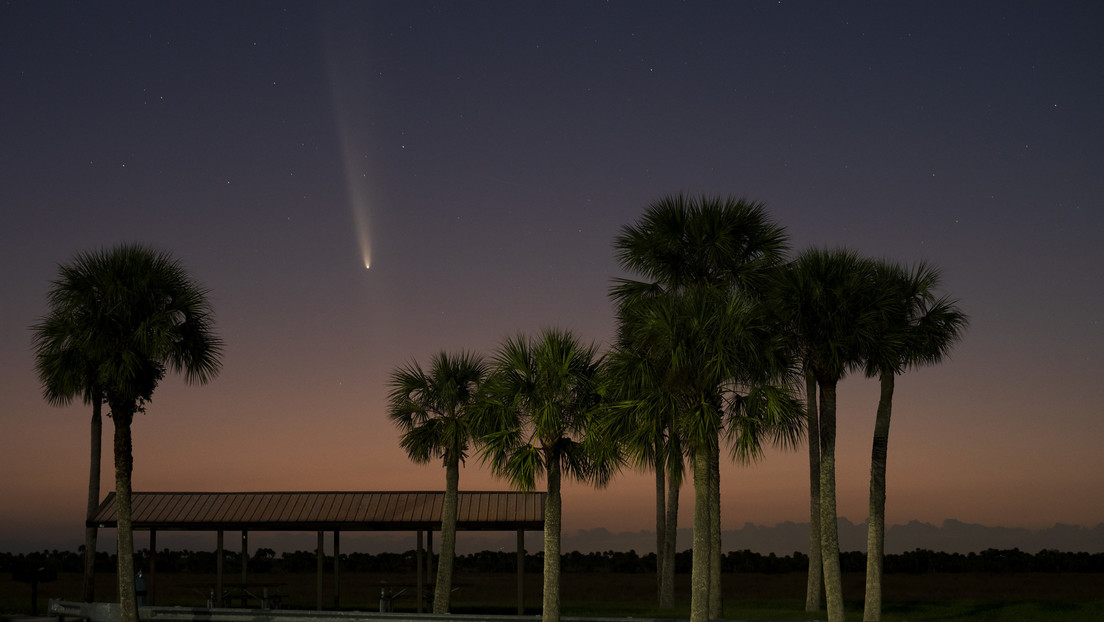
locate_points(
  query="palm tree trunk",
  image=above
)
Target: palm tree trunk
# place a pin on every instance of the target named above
(670, 541)
(829, 546)
(661, 512)
(123, 414)
(443, 591)
(715, 603)
(88, 589)
(699, 577)
(552, 509)
(814, 587)
(875, 528)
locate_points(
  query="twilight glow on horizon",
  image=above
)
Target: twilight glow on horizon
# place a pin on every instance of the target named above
(480, 159)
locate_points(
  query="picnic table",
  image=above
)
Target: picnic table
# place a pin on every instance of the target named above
(389, 593)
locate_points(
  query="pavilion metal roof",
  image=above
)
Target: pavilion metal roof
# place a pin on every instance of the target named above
(324, 511)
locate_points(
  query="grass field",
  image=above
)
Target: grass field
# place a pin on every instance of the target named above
(973, 596)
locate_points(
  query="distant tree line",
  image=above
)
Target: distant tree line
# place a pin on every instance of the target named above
(918, 561)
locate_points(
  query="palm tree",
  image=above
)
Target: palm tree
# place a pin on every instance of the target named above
(719, 369)
(814, 586)
(537, 407)
(129, 314)
(920, 331)
(88, 587)
(65, 374)
(683, 245)
(691, 332)
(830, 303)
(434, 411)
(644, 417)
(679, 337)
(681, 242)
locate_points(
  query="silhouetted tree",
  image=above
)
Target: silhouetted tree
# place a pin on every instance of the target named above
(537, 406)
(434, 412)
(66, 371)
(129, 313)
(648, 411)
(829, 303)
(917, 329)
(704, 263)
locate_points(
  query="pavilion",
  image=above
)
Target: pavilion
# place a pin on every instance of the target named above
(323, 512)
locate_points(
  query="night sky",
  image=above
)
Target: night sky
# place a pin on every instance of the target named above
(482, 158)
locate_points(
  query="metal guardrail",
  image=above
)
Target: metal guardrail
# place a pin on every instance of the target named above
(97, 612)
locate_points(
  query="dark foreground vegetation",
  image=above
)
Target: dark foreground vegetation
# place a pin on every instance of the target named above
(266, 561)
(769, 595)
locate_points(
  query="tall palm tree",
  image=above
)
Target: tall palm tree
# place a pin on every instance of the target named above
(689, 333)
(675, 466)
(434, 411)
(681, 242)
(65, 373)
(682, 245)
(814, 586)
(920, 331)
(644, 415)
(720, 367)
(132, 313)
(830, 303)
(537, 406)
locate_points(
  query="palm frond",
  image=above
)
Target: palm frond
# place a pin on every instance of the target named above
(119, 319)
(436, 411)
(543, 394)
(915, 328)
(766, 413)
(683, 242)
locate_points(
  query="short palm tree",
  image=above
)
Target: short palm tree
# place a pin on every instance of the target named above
(537, 407)
(830, 304)
(920, 331)
(58, 369)
(434, 412)
(123, 317)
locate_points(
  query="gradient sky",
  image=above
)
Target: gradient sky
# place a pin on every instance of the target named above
(483, 157)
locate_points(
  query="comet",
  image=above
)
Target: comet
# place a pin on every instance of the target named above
(346, 59)
(356, 191)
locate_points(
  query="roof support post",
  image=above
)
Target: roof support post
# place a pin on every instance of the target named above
(217, 596)
(429, 556)
(321, 560)
(337, 568)
(152, 583)
(521, 571)
(245, 554)
(421, 577)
